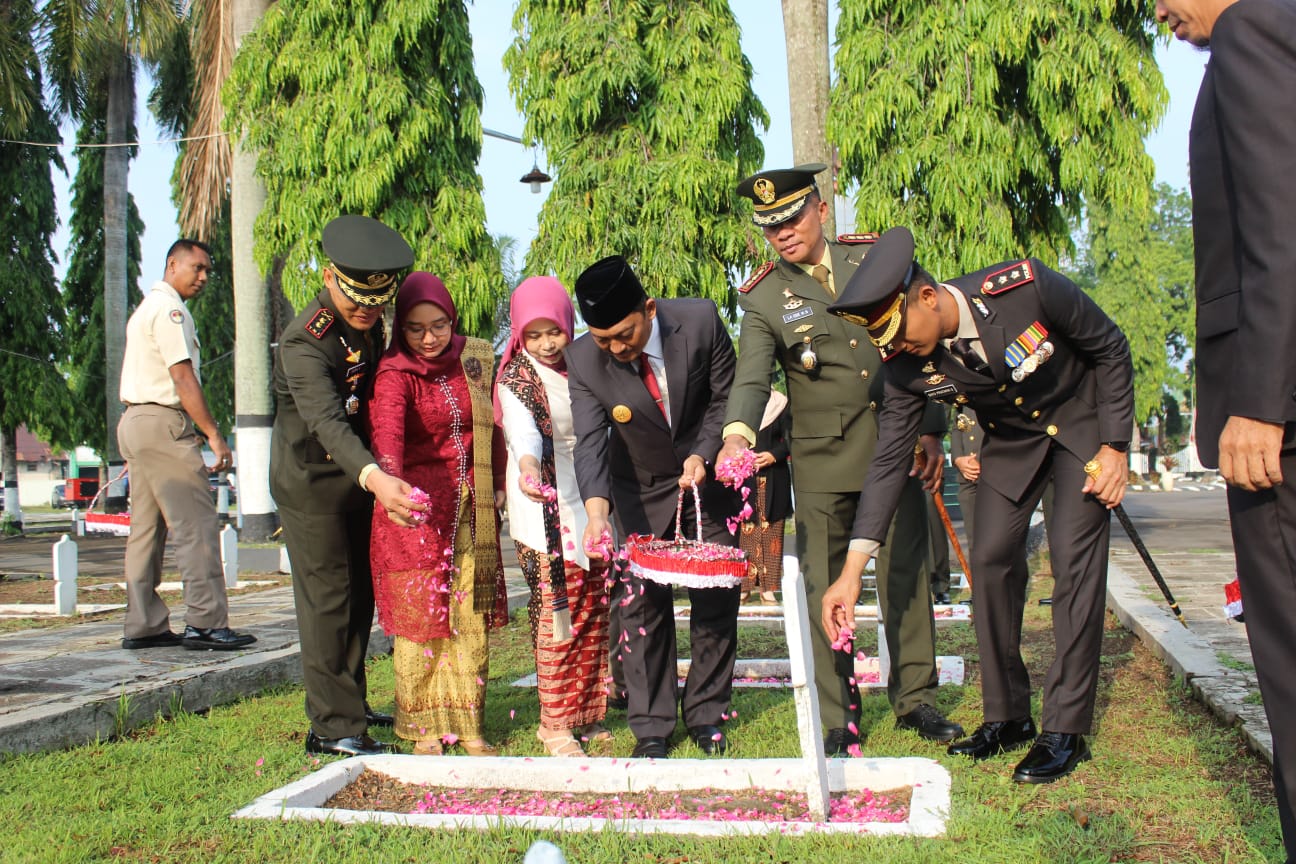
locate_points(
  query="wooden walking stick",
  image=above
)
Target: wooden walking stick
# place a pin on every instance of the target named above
(920, 460)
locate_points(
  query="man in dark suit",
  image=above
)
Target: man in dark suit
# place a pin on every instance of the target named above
(1050, 377)
(834, 386)
(648, 387)
(1242, 160)
(324, 479)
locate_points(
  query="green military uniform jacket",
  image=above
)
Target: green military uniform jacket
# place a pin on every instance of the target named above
(323, 375)
(834, 405)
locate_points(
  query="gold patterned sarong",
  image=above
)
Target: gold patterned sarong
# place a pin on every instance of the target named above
(441, 683)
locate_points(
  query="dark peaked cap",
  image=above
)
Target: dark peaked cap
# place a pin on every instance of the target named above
(368, 258)
(779, 195)
(875, 294)
(608, 291)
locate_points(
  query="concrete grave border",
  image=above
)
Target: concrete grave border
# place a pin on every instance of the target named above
(928, 809)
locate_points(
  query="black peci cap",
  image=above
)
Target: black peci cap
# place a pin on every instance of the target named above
(608, 291)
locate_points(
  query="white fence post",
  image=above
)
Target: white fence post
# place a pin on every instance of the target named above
(229, 555)
(796, 621)
(65, 576)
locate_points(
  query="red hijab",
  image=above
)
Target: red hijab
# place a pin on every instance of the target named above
(422, 287)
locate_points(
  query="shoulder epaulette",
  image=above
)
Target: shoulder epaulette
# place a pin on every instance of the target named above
(854, 239)
(761, 272)
(320, 323)
(1012, 276)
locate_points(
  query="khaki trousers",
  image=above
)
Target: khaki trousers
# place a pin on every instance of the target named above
(169, 494)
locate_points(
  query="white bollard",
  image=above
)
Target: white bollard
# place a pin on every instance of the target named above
(797, 625)
(285, 566)
(229, 555)
(65, 576)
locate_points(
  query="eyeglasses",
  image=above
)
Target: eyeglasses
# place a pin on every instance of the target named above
(439, 329)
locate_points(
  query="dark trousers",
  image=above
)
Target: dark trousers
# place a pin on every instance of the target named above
(334, 597)
(1079, 529)
(823, 530)
(1264, 542)
(649, 658)
(967, 504)
(940, 551)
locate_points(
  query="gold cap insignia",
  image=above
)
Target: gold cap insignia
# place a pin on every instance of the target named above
(621, 414)
(764, 190)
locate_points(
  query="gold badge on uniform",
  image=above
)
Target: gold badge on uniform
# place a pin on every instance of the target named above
(929, 368)
(803, 328)
(935, 379)
(794, 303)
(621, 414)
(961, 399)
(764, 189)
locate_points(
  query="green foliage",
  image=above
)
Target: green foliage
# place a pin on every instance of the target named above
(370, 107)
(1137, 264)
(83, 285)
(20, 92)
(985, 126)
(31, 389)
(648, 116)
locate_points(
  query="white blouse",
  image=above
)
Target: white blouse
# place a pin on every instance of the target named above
(526, 517)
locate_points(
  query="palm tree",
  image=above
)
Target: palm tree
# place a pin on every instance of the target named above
(96, 44)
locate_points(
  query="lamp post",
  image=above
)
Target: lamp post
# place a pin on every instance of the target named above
(533, 178)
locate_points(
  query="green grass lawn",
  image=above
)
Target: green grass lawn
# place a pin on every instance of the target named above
(1166, 784)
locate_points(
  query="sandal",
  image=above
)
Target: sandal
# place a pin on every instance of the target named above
(595, 731)
(560, 743)
(428, 747)
(478, 748)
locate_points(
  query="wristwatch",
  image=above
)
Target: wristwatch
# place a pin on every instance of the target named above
(1122, 446)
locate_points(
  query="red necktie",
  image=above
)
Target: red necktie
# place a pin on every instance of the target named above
(650, 381)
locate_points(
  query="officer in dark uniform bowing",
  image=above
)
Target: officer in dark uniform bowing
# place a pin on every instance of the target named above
(324, 479)
(1050, 378)
(834, 387)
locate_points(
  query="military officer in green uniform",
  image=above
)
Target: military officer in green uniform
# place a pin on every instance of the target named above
(324, 479)
(834, 383)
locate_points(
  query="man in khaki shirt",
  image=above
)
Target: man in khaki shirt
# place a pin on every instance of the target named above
(165, 409)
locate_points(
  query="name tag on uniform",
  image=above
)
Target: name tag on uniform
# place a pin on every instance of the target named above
(798, 315)
(937, 392)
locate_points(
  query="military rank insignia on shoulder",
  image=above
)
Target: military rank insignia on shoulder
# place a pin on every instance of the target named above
(854, 239)
(320, 323)
(761, 272)
(1010, 277)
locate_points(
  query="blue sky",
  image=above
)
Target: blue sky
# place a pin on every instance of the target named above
(513, 210)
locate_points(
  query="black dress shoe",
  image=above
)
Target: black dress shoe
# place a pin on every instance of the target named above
(991, 739)
(165, 639)
(353, 745)
(709, 739)
(941, 598)
(377, 718)
(650, 747)
(215, 639)
(837, 741)
(929, 723)
(1053, 755)
(617, 703)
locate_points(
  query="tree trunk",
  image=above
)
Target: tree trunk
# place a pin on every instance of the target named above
(121, 108)
(253, 399)
(805, 33)
(11, 521)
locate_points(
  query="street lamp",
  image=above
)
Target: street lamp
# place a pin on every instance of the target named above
(533, 178)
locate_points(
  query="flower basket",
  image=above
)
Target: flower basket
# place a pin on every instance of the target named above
(684, 562)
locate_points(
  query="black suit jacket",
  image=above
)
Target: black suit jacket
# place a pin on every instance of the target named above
(1242, 153)
(1080, 397)
(636, 464)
